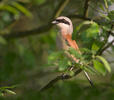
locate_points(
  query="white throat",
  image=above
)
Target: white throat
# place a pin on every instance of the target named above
(65, 29)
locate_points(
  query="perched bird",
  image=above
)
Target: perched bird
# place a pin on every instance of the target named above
(64, 39)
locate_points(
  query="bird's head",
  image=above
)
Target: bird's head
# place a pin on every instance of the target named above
(65, 24)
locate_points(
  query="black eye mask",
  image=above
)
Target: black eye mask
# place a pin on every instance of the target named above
(62, 21)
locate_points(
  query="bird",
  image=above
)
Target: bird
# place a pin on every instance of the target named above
(64, 39)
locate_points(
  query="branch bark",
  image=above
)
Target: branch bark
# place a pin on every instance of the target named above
(106, 47)
(59, 77)
(61, 7)
(39, 30)
(86, 6)
(103, 47)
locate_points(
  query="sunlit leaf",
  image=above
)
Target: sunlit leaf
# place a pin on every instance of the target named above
(106, 17)
(1, 94)
(22, 9)
(10, 92)
(99, 67)
(8, 87)
(88, 35)
(85, 24)
(106, 4)
(10, 9)
(93, 30)
(106, 64)
(71, 73)
(96, 45)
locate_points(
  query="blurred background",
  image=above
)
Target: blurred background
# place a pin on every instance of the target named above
(27, 46)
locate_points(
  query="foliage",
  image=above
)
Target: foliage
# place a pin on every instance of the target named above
(30, 59)
(7, 90)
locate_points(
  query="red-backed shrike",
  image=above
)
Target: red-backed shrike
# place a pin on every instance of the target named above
(64, 37)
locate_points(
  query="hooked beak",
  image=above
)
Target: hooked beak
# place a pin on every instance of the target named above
(54, 22)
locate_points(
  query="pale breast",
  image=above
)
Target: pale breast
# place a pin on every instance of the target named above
(61, 43)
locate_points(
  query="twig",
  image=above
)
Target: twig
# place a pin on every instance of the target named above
(85, 15)
(59, 77)
(87, 76)
(37, 31)
(61, 7)
(102, 48)
(79, 16)
(112, 33)
(86, 6)
(41, 29)
(106, 47)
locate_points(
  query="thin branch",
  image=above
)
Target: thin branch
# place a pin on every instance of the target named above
(112, 33)
(86, 6)
(79, 17)
(61, 7)
(39, 30)
(106, 47)
(88, 78)
(59, 77)
(101, 50)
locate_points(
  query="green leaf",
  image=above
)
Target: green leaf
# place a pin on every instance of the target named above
(96, 45)
(74, 52)
(90, 69)
(93, 30)
(1, 94)
(99, 67)
(102, 7)
(90, 33)
(89, 28)
(106, 17)
(111, 15)
(8, 87)
(106, 4)
(83, 26)
(55, 56)
(10, 92)
(2, 40)
(106, 64)
(63, 64)
(10, 9)
(22, 9)
(71, 73)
